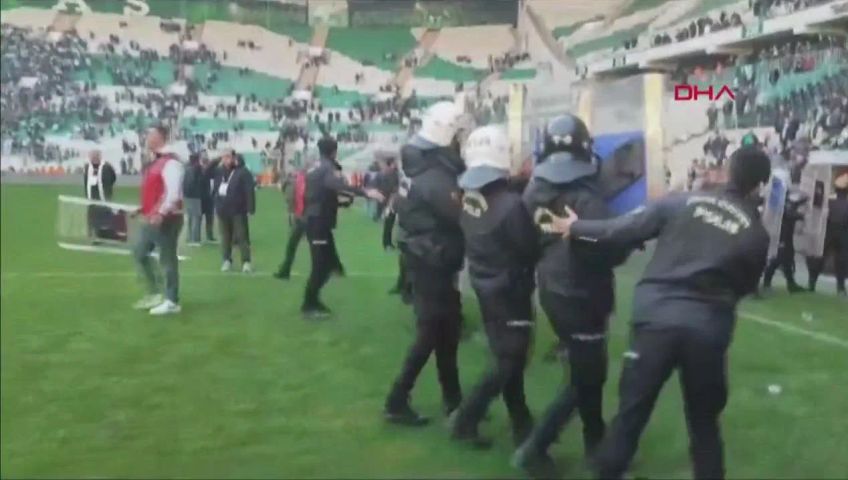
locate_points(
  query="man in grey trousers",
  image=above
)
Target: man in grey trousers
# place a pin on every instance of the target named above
(161, 209)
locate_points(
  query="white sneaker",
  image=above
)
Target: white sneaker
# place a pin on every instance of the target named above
(148, 302)
(166, 308)
(246, 268)
(227, 266)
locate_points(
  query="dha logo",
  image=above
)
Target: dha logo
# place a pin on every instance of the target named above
(691, 93)
(138, 8)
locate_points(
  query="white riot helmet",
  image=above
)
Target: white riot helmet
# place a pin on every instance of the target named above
(487, 157)
(441, 123)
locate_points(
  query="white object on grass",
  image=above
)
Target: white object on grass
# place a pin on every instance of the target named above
(775, 389)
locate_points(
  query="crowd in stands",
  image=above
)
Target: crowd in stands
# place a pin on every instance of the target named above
(760, 98)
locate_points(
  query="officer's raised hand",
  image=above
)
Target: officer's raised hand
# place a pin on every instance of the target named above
(562, 225)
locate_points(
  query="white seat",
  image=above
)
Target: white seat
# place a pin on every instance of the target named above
(477, 43)
(28, 17)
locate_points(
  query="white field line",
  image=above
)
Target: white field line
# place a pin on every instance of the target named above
(792, 329)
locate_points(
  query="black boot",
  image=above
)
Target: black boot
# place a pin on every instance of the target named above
(401, 413)
(462, 432)
(282, 275)
(794, 287)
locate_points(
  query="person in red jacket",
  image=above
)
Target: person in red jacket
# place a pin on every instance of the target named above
(161, 209)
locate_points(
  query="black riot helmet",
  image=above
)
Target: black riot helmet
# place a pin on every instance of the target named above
(567, 151)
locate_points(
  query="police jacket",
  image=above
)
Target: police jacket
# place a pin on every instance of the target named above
(837, 218)
(428, 208)
(578, 270)
(501, 241)
(324, 184)
(710, 252)
(791, 215)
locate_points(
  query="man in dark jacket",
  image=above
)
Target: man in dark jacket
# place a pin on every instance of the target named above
(785, 257)
(207, 197)
(836, 238)
(235, 200)
(324, 184)
(575, 284)
(193, 185)
(98, 178)
(501, 245)
(431, 242)
(710, 252)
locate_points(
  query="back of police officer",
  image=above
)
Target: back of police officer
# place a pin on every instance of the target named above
(501, 247)
(711, 251)
(575, 283)
(431, 242)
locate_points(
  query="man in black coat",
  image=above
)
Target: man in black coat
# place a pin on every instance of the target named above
(432, 245)
(575, 284)
(711, 250)
(235, 200)
(193, 186)
(324, 184)
(98, 178)
(836, 238)
(207, 196)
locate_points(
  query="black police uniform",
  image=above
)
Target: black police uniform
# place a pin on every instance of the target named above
(501, 246)
(711, 251)
(575, 281)
(835, 243)
(785, 258)
(324, 185)
(432, 246)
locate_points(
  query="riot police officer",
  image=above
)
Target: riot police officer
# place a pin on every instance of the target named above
(785, 257)
(431, 242)
(575, 283)
(501, 248)
(711, 250)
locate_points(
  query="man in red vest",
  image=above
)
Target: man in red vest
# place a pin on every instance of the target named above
(161, 209)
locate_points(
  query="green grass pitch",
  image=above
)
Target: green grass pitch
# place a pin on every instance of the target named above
(239, 386)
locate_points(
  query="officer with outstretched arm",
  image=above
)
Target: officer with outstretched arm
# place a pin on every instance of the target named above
(324, 184)
(711, 250)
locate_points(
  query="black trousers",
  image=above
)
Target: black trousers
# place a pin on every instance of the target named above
(388, 226)
(785, 260)
(234, 230)
(325, 259)
(210, 225)
(837, 249)
(582, 328)
(653, 356)
(508, 320)
(298, 228)
(438, 315)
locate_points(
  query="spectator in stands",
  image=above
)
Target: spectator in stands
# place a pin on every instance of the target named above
(716, 148)
(712, 116)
